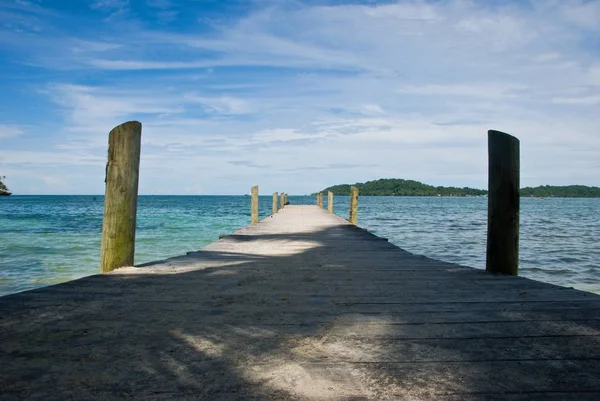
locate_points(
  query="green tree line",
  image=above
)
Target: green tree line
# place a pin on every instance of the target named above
(569, 191)
(401, 187)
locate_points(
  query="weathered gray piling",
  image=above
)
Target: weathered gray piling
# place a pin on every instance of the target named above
(503, 204)
(120, 201)
(353, 205)
(254, 205)
(330, 201)
(275, 199)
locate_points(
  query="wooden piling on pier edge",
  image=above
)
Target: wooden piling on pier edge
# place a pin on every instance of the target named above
(330, 201)
(282, 200)
(502, 255)
(254, 205)
(353, 205)
(275, 200)
(120, 200)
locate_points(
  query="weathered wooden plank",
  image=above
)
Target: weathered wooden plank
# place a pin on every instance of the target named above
(302, 305)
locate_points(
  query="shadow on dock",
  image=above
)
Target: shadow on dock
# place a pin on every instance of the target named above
(331, 313)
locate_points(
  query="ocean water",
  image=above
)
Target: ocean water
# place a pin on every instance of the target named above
(50, 239)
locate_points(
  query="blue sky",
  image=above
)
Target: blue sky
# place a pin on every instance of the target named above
(296, 95)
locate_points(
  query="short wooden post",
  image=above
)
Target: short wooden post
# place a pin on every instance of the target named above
(321, 200)
(282, 200)
(330, 201)
(254, 205)
(120, 200)
(503, 204)
(353, 205)
(275, 198)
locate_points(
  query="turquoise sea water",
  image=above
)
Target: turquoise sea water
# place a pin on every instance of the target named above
(49, 239)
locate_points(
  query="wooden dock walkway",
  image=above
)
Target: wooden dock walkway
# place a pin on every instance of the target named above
(302, 305)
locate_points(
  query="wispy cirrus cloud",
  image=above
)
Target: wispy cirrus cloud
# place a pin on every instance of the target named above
(405, 89)
(7, 131)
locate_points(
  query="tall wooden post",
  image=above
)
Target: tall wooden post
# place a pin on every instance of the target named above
(275, 199)
(321, 200)
(254, 205)
(353, 205)
(503, 204)
(282, 200)
(120, 200)
(330, 201)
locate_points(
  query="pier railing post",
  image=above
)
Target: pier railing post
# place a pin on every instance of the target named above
(330, 202)
(353, 205)
(275, 199)
(282, 201)
(503, 204)
(254, 205)
(121, 196)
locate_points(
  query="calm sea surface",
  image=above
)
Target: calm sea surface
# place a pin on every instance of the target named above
(49, 239)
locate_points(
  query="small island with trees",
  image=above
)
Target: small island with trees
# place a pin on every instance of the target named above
(401, 187)
(3, 190)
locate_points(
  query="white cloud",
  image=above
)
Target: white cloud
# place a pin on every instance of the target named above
(406, 90)
(8, 131)
(372, 109)
(109, 4)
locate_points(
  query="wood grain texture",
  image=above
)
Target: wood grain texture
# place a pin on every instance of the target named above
(303, 305)
(275, 199)
(254, 205)
(353, 205)
(120, 201)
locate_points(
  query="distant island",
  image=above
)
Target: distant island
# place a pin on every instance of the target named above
(3, 190)
(400, 187)
(569, 191)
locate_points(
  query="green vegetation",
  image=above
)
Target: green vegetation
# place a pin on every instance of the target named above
(569, 191)
(399, 187)
(3, 190)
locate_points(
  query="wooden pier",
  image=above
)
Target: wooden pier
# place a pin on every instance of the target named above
(302, 305)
